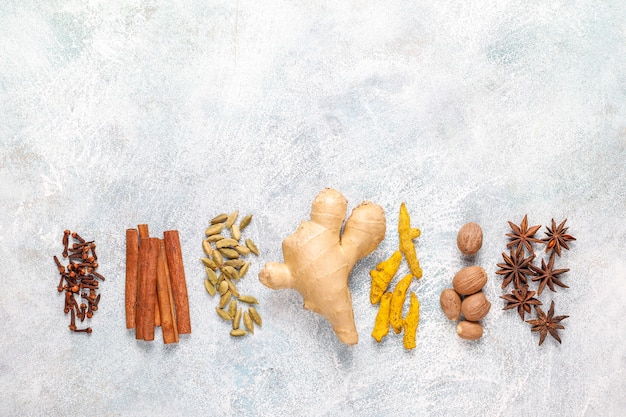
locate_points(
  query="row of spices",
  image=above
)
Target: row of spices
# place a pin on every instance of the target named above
(156, 290)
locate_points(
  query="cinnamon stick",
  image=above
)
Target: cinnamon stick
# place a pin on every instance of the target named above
(166, 301)
(140, 304)
(177, 276)
(144, 233)
(157, 314)
(132, 258)
(150, 296)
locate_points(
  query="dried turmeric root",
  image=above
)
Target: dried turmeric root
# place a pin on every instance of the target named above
(397, 301)
(407, 234)
(411, 322)
(382, 276)
(381, 328)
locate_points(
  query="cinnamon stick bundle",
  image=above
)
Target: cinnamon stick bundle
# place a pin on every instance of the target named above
(177, 276)
(132, 259)
(156, 288)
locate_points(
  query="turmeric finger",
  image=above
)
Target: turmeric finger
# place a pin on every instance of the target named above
(382, 276)
(406, 242)
(381, 327)
(411, 322)
(397, 301)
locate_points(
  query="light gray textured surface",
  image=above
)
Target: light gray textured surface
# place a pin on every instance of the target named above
(115, 113)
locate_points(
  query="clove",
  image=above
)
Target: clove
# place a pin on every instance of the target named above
(65, 242)
(87, 330)
(59, 265)
(97, 275)
(77, 237)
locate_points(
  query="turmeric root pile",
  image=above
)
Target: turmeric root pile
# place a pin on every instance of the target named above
(392, 303)
(318, 258)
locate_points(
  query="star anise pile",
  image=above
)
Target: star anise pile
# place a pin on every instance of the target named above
(518, 268)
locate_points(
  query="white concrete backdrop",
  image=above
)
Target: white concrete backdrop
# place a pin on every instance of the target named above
(114, 113)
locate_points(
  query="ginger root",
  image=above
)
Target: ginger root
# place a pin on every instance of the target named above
(407, 234)
(319, 259)
(381, 327)
(382, 276)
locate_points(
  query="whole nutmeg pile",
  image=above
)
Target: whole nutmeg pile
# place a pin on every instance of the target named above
(466, 299)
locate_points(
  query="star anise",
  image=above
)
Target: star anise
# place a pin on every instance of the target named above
(521, 299)
(547, 275)
(545, 324)
(557, 237)
(515, 267)
(522, 235)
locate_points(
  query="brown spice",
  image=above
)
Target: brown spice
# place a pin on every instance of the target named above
(140, 309)
(516, 268)
(144, 233)
(132, 257)
(557, 237)
(78, 276)
(150, 296)
(160, 285)
(547, 275)
(179, 283)
(522, 235)
(545, 324)
(521, 299)
(165, 299)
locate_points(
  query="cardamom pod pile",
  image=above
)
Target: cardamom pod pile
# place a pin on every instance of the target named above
(224, 265)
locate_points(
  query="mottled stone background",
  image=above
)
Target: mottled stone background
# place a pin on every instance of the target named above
(114, 113)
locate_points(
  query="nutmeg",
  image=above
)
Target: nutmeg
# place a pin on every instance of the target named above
(469, 280)
(469, 330)
(450, 303)
(475, 307)
(470, 238)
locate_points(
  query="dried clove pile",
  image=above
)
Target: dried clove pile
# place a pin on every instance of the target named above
(79, 279)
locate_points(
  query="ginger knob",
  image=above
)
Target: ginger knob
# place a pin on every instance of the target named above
(320, 254)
